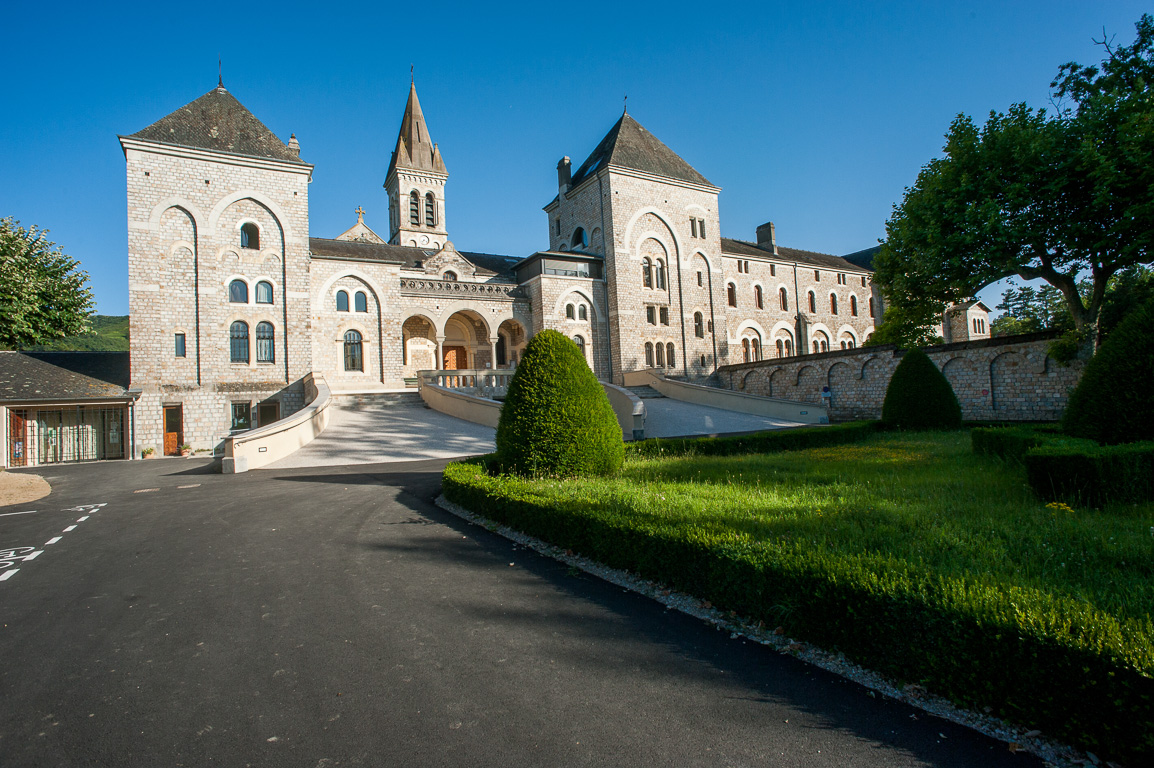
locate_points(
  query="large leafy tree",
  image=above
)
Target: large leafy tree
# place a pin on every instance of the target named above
(43, 293)
(1052, 196)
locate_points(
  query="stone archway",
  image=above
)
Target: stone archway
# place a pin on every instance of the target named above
(418, 345)
(511, 341)
(465, 343)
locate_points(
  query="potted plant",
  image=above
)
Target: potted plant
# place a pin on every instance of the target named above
(147, 453)
(186, 449)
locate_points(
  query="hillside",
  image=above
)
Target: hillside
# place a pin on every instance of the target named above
(109, 334)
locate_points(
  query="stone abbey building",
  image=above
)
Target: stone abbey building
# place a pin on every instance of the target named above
(233, 302)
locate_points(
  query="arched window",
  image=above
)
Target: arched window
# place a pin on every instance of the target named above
(264, 292)
(872, 306)
(648, 355)
(659, 277)
(579, 239)
(788, 347)
(745, 350)
(430, 210)
(669, 356)
(698, 325)
(646, 273)
(832, 304)
(414, 208)
(812, 303)
(265, 343)
(238, 342)
(570, 313)
(731, 290)
(249, 235)
(660, 355)
(757, 297)
(238, 292)
(816, 347)
(582, 312)
(580, 342)
(342, 301)
(853, 305)
(783, 295)
(354, 359)
(755, 348)
(361, 302)
(780, 348)
(449, 277)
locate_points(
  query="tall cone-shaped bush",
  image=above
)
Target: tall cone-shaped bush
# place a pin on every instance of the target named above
(1114, 401)
(556, 419)
(920, 397)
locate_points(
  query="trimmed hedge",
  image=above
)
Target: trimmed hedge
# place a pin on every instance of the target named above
(1011, 443)
(557, 419)
(1082, 472)
(762, 442)
(920, 397)
(1042, 660)
(1114, 401)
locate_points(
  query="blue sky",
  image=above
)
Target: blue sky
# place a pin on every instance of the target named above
(812, 115)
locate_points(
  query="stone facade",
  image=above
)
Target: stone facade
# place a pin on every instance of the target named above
(1001, 379)
(232, 301)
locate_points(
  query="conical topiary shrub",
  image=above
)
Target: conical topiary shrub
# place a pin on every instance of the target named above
(1114, 401)
(556, 419)
(920, 397)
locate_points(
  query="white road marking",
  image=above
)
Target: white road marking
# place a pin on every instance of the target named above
(8, 574)
(70, 528)
(194, 485)
(146, 490)
(29, 512)
(82, 519)
(53, 540)
(34, 555)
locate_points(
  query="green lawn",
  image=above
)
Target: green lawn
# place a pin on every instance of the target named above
(907, 551)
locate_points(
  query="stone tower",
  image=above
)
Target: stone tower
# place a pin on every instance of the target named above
(218, 273)
(654, 219)
(416, 184)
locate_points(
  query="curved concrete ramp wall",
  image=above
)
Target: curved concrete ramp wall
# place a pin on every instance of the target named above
(264, 445)
(772, 407)
(479, 410)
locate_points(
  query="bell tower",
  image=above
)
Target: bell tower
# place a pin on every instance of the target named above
(416, 184)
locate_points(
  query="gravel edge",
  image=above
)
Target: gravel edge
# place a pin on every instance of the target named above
(1017, 739)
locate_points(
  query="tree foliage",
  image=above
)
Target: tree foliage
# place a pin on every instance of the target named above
(557, 419)
(43, 293)
(920, 397)
(1028, 309)
(908, 326)
(1114, 401)
(1037, 195)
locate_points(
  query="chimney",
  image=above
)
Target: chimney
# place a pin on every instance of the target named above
(564, 175)
(294, 145)
(767, 237)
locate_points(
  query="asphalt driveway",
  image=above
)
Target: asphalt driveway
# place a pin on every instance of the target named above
(328, 617)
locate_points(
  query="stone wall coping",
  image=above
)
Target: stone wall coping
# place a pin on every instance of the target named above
(479, 410)
(892, 350)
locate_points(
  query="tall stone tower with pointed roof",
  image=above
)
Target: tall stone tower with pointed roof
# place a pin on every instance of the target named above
(416, 184)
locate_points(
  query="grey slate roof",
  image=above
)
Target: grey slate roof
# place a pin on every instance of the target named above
(415, 148)
(217, 121)
(405, 255)
(628, 144)
(57, 376)
(810, 258)
(863, 258)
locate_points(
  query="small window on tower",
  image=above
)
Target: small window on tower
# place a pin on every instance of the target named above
(249, 235)
(430, 210)
(414, 208)
(693, 227)
(180, 345)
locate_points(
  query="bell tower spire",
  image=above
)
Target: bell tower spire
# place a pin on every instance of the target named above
(416, 183)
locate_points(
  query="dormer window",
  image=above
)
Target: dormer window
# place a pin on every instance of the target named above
(450, 276)
(249, 235)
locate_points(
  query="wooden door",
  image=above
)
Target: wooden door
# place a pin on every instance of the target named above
(456, 358)
(17, 440)
(173, 429)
